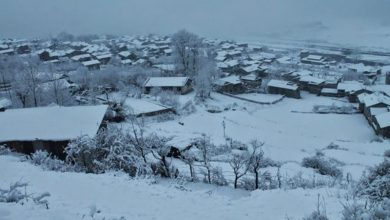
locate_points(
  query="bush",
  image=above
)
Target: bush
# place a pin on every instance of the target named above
(48, 162)
(322, 165)
(376, 185)
(355, 211)
(217, 177)
(170, 99)
(4, 150)
(17, 193)
(316, 216)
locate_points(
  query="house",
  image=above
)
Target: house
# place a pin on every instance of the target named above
(104, 58)
(9, 51)
(314, 60)
(374, 100)
(49, 128)
(145, 108)
(4, 104)
(251, 81)
(5, 86)
(347, 87)
(330, 92)
(23, 49)
(82, 57)
(47, 56)
(231, 84)
(311, 84)
(286, 88)
(353, 95)
(382, 124)
(92, 64)
(182, 85)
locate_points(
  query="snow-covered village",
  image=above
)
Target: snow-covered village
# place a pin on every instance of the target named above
(103, 122)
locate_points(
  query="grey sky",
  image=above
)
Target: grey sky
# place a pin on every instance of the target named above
(213, 18)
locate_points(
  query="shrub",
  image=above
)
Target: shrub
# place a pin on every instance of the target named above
(170, 99)
(322, 165)
(217, 177)
(316, 216)
(357, 211)
(48, 162)
(4, 150)
(376, 185)
(17, 193)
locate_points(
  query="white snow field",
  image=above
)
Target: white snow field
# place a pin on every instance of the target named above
(290, 132)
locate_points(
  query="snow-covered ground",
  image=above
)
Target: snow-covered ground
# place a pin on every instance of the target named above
(73, 195)
(289, 129)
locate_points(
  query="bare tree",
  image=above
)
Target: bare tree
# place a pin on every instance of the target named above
(204, 145)
(256, 159)
(189, 158)
(160, 150)
(31, 69)
(187, 48)
(137, 138)
(240, 163)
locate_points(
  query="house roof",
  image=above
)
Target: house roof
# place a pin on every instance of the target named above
(91, 62)
(233, 79)
(141, 106)
(50, 123)
(311, 79)
(166, 81)
(383, 120)
(374, 99)
(350, 86)
(377, 111)
(282, 84)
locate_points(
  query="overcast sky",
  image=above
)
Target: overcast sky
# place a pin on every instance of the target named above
(211, 18)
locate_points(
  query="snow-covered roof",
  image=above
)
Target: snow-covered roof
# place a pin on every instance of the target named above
(377, 111)
(251, 68)
(329, 90)
(383, 120)
(314, 57)
(91, 62)
(50, 123)
(350, 86)
(311, 80)
(124, 53)
(233, 79)
(6, 51)
(81, 56)
(374, 99)
(166, 81)
(104, 56)
(282, 84)
(166, 67)
(140, 106)
(250, 77)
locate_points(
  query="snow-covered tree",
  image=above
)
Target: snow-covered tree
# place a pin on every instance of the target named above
(203, 79)
(187, 51)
